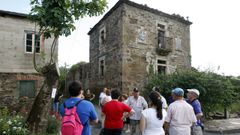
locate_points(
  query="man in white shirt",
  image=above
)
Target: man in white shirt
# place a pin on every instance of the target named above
(180, 115)
(137, 103)
(102, 95)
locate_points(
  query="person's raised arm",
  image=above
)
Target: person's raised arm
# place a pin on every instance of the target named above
(129, 110)
(129, 114)
(93, 115)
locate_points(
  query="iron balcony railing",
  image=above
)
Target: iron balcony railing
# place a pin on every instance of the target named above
(164, 46)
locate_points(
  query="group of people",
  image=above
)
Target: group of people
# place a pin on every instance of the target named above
(155, 117)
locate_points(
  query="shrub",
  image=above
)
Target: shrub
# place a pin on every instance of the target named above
(11, 125)
(216, 90)
(53, 125)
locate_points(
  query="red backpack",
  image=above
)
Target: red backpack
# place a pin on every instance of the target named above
(71, 124)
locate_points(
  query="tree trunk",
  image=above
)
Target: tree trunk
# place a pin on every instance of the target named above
(226, 114)
(40, 109)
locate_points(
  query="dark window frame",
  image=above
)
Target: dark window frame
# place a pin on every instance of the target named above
(161, 66)
(23, 93)
(102, 67)
(102, 37)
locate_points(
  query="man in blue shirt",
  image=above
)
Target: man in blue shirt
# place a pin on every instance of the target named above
(192, 96)
(85, 109)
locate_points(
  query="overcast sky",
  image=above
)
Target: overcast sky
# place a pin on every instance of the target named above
(214, 32)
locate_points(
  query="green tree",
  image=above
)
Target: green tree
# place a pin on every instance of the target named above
(75, 67)
(236, 87)
(55, 18)
(62, 79)
(216, 90)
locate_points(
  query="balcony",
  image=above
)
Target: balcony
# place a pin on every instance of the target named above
(164, 46)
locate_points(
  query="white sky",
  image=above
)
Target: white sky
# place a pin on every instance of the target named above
(214, 38)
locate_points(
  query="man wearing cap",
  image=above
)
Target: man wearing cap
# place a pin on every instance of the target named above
(180, 115)
(192, 96)
(137, 103)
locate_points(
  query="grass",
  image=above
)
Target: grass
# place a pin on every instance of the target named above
(235, 107)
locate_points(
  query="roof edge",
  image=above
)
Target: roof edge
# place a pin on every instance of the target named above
(15, 14)
(107, 14)
(143, 7)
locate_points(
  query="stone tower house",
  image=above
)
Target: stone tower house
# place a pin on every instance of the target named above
(132, 39)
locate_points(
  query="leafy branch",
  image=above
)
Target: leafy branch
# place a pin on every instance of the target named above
(56, 17)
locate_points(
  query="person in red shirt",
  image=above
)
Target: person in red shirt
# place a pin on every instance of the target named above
(113, 111)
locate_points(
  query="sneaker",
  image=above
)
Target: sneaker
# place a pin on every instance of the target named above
(128, 131)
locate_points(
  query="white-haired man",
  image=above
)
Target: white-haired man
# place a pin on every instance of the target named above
(192, 96)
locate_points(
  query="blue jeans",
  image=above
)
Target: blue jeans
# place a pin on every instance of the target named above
(55, 106)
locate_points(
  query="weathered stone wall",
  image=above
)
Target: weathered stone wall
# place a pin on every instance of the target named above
(138, 55)
(13, 57)
(111, 52)
(131, 44)
(9, 90)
